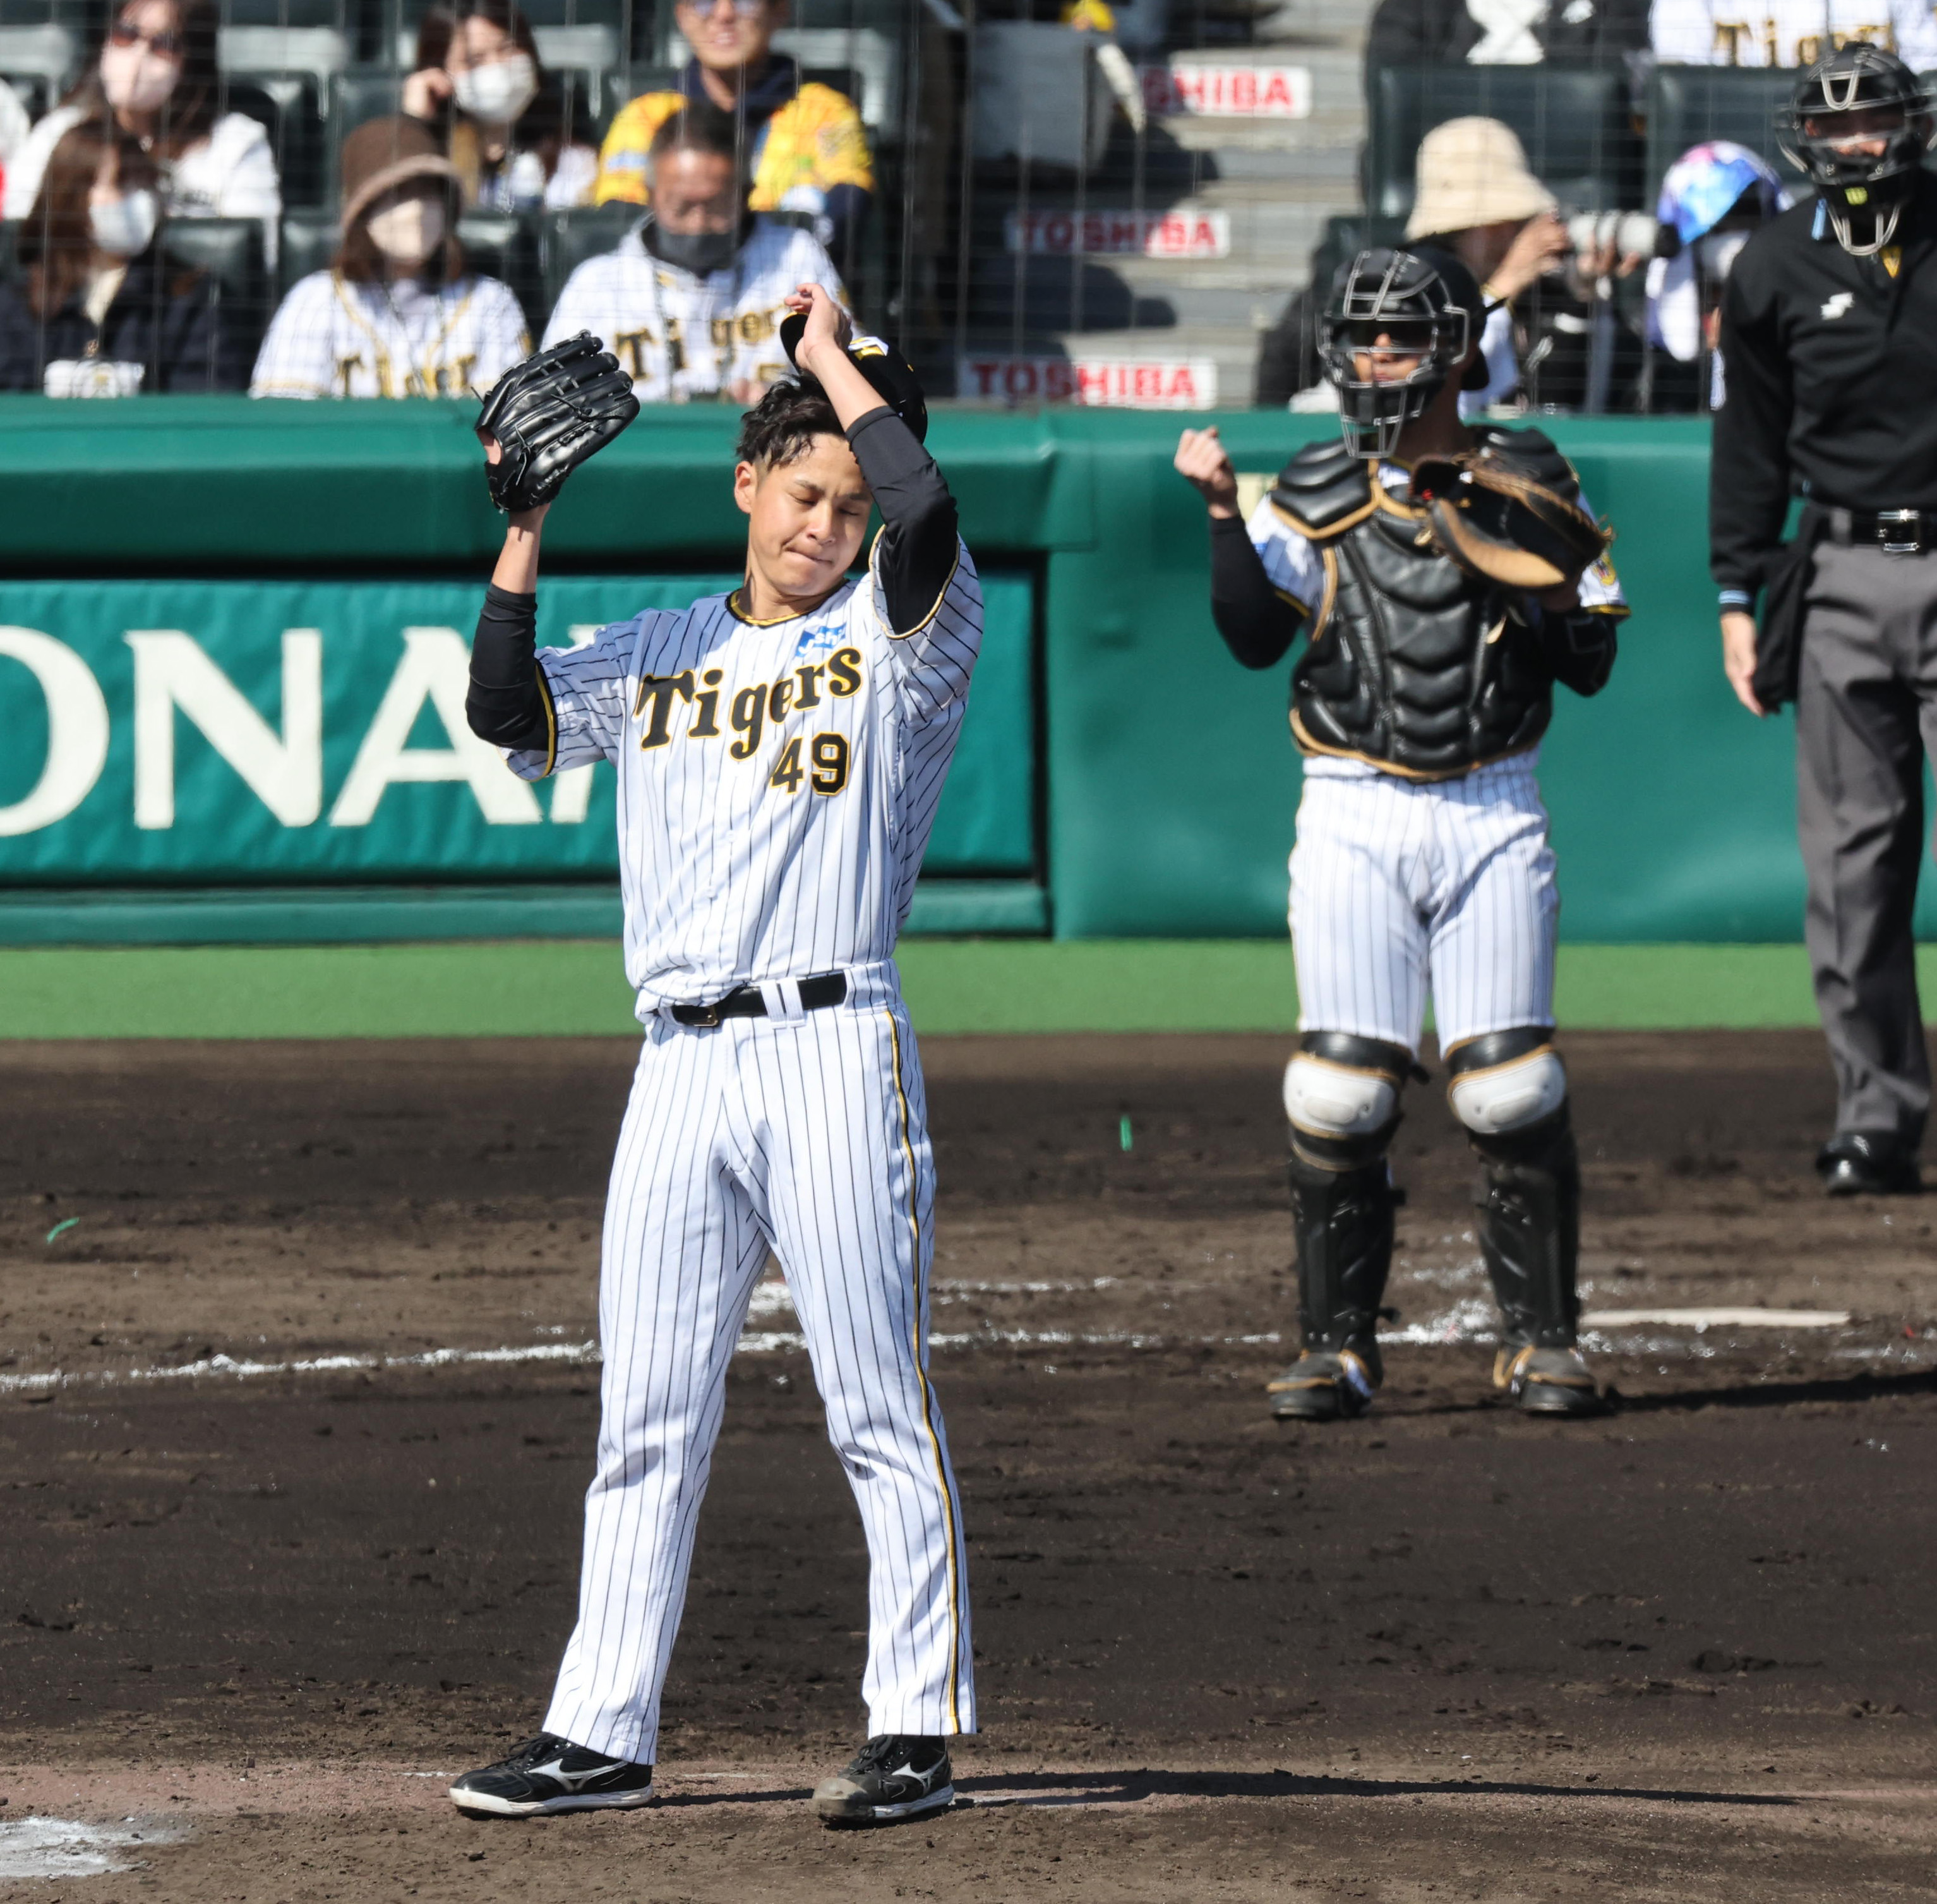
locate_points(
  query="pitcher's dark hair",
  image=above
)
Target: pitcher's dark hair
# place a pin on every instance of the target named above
(781, 427)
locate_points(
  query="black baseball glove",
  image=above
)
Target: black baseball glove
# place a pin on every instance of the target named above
(1498, 522)
(548, 414)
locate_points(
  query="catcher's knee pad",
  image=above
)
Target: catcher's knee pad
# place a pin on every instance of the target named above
(1504, 1083)
(1342, 1095)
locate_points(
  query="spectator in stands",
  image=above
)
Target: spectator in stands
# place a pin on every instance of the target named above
(1507, 32)
(100, 312)
(1713, 198)
(156, 77)
(1473, 195)
(1790, 32)
(504, 119)
(397, 313)
(804, 146)
(690, 302)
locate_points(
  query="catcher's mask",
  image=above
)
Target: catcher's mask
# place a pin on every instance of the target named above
(884, 367)
(1413, 314)
(1859, 79)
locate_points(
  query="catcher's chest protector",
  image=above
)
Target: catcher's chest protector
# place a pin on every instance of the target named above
(1412, 663)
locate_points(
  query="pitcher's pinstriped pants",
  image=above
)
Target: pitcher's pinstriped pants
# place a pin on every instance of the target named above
(1398, 885)
(807, 1135)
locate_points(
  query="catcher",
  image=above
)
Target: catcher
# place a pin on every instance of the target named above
(780, 751)
(1445, 577)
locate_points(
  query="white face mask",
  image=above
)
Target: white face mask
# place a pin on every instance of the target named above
(408, 232)
(497, 94)
(125, 226)
(135, 80)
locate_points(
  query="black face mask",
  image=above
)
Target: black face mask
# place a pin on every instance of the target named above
(701, 252)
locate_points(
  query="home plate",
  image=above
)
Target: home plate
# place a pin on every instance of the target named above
(1718, 1318)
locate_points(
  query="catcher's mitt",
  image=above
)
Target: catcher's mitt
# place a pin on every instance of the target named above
(1498, 523)
(883, 366)
(548, 414)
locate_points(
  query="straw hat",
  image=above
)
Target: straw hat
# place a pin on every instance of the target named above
(382, 153)
(1472, 172)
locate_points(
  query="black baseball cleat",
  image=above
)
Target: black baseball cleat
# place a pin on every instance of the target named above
(1548, 1381)
(547, 1775)
(1322, 1385)
(1859, 1164)
(894, 1775)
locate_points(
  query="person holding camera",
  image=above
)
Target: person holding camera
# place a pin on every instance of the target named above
(1829, 334)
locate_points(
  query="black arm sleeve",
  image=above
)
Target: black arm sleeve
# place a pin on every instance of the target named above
(917, 555)
(1581, 645)
(1258, 624)
(506, 705)
(1749, 474)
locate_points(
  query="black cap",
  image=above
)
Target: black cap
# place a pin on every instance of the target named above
(890, 374)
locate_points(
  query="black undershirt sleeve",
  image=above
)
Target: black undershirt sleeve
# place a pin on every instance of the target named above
(918, 551)
(1258, 624)
(506, 705)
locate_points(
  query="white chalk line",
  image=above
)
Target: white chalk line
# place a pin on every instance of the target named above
(1467, 1324)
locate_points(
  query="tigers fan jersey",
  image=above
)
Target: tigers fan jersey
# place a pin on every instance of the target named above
(1790, 32)
(332, 338)
(681, 337)
(777, 780)
(815, 138)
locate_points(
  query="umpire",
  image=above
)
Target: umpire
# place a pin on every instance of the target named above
(1829, 350)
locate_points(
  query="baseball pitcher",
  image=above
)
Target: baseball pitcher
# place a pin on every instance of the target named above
(780, 752)
(1444, 577)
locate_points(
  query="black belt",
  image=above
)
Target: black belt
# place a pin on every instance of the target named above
(1896, 532)
(745, 1001)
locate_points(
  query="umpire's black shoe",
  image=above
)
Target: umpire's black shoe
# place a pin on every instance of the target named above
(1861, 1164)
(547, 1774)
(894, 1775)
(1548, 1381)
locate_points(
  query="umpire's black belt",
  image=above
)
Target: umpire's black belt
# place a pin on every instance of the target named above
(1896, 532)
(745, 1001)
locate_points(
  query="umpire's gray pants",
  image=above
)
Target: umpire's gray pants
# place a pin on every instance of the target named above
(1866, 716)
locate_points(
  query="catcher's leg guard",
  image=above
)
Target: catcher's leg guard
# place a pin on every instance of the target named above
(1510, 1091)
(1342, 1095)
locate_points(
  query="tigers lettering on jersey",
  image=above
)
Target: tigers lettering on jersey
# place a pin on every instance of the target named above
(751, 707)
(1790, 33)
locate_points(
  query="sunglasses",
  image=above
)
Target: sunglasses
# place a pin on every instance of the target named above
(168, 42)
(745, 9)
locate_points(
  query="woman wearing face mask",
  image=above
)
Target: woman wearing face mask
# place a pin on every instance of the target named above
(99, 312)
(690, 301)
(157, 79)
(397, 315)
(504, 119)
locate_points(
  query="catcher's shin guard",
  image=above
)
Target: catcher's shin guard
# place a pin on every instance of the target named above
(1509, 1090)
(1342, 1095)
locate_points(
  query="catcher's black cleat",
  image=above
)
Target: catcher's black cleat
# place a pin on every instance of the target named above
(1548, 1381)
(547, 1775)
(1322, 1385)
(1856, 1164)
(894, 1775)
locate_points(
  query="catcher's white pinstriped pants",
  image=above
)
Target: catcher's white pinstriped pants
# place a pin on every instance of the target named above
(1397, 883)
(807, 1134)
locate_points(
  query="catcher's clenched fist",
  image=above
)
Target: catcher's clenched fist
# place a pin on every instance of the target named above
(546, 416)
(1202, 461)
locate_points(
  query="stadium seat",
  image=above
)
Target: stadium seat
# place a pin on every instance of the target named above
(504, 244)
(1573, 122)
(39, 51)
(289, 106)
(1687, 104)
(567, 238)
(307, 243)
(363, 93)
(31, 90)
(229, 250)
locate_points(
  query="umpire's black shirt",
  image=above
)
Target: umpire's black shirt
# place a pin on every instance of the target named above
(1830, 366)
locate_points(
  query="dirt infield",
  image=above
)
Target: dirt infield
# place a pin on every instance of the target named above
(296, 1407)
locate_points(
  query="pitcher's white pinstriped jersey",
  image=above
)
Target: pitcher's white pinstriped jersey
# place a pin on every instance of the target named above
(777, 781)
(1402, 887)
